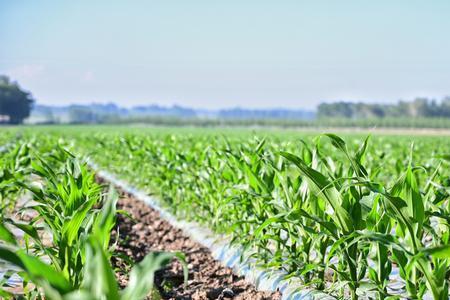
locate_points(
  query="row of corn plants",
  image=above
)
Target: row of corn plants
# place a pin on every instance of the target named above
(352, 217)
(348, 217)
(65, 247)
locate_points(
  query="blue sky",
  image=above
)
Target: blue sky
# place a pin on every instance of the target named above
(214, 54)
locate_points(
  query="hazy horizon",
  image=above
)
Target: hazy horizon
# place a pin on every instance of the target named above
(274, 107)
(211, 55)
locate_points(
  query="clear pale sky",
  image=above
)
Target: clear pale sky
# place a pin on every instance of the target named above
(214, 54)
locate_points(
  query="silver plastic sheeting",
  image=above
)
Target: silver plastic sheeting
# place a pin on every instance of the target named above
(230, 256)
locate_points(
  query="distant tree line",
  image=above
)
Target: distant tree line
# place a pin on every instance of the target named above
(16, 105)
(418, 108)
(387, 122)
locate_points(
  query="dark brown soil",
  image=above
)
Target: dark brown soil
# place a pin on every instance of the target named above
(208, 279)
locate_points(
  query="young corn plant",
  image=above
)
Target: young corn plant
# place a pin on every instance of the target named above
(14, 168)
(75, 263)
(338, 214)
(98, 282)
(65, 206)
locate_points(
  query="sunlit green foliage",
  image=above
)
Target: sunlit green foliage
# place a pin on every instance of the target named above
(66, 246)
(339, 214)
(342, 214)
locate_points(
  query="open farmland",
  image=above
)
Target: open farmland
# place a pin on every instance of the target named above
(350, 215)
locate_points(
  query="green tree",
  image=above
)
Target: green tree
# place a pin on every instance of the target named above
(15, 103)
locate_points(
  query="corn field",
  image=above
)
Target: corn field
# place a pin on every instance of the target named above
(355, 216)
(65, 247)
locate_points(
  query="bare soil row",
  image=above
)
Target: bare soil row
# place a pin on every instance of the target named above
(208, 278)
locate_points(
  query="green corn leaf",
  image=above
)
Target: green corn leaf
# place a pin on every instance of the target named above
(326, 189)
(255, 181)
(445, 157)
(38, 271)
(266, 223)
(413, 195)
(27, 228)
(6, 235)
(442, 251)
(142, 274)
(105, 220)
(341, 145)
(10, 256)
(99, 279)
(71, 228)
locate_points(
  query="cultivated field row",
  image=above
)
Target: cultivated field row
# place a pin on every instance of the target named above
(339, 215)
